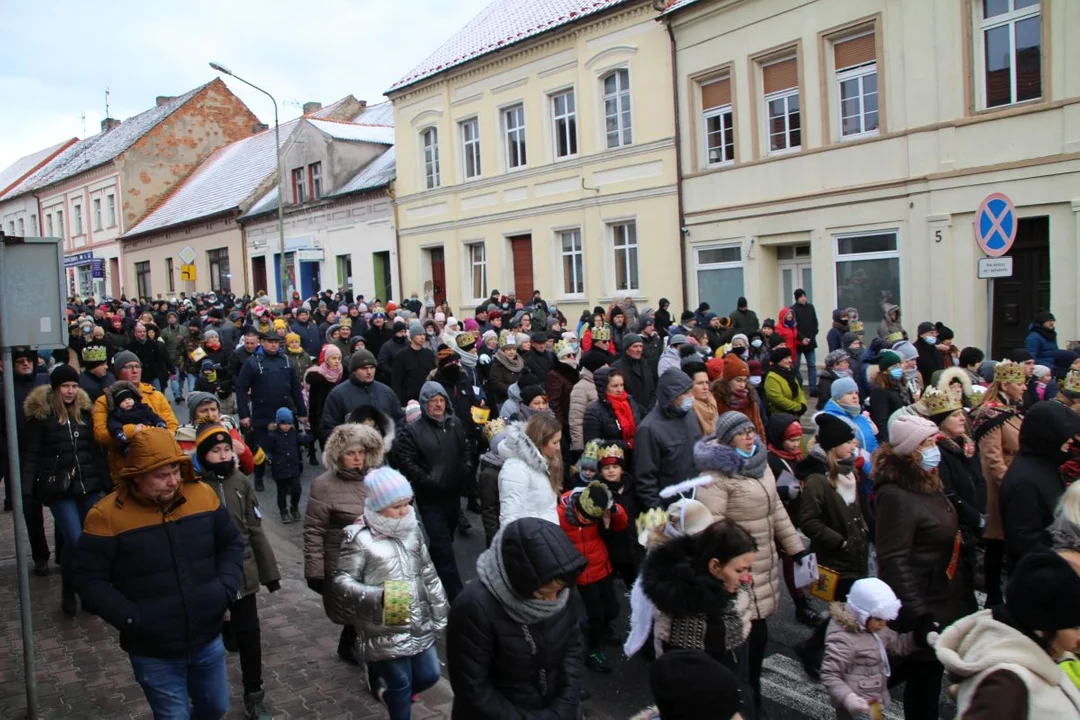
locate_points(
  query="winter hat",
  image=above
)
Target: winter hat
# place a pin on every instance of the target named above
(835, 358)
(714, 367)
(593, 361)
(873, 598)
(123, 393)
(124, 357)
(564, 349)
(1063, 360)
(593, 501)
(677, 339)
(531, 392)
(290, 337)
(466, 341)
(905, 350)
(440, 317)
(1021, 355)
(735, 367)
(538, 338)
(197, 398)
(740, 336)
(1040, 372)
(631, 339)
(416, 330)
(444, 355)
(887, 359)
(209, 334)
(590, 458)
(832, 431)
(849, 337)
(691, 685)
(756, 370)
(207, 436)
(412, 411)
(611, 455)
(385, 486)
(908, 432)
(843, 386)
(362, 359)
(779, 353)
(283, 416)
(522, 338)
(1042, 592)
(1043, 316)
(689, 516)
(61, 374)
(925, 327)
(730, 424)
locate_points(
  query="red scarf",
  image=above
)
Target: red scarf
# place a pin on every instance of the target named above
(782, 453)
(624, 416)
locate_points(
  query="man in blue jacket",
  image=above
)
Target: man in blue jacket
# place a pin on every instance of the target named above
(308, 330)
(1041, 340)
(160, 559)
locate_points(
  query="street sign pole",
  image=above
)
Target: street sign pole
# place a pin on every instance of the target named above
(989, 314)
(995, 232)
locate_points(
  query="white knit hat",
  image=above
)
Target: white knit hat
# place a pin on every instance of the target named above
(872, 598)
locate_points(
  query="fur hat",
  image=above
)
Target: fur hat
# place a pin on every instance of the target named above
(385, 486)
(730, 424)
(355, 435)
(118, 391)
(872, 598)
(907, 432)
(832, 431)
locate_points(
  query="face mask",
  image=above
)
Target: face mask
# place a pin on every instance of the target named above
(840, 373)
(896, 372)
(740, 351)
(685, 406)
(930, 458)
(755, 380)
(747, 453)
(221, 469)
(932, 339)
(756, 343)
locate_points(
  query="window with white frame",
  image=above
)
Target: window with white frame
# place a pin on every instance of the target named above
(97, 213)
(299, 190)
(572, 254)
(564, 123)
(110, 201)
(220, 275)
(11, 227)
(470, 147)
(719, 272)
(49, 225)
(60, 224)
(315, 176)
(431, 157)
(76, 210)
(1010, 32)
(514, 131)
(719, 126)
(855, 60)
(477, 255)
(625, 248)
(22, 227)
(780, 81)
(34, 224)
(617, 108)
(867, 270)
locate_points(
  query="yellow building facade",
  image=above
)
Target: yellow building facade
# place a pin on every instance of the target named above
(547, 165)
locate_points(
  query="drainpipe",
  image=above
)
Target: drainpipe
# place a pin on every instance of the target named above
(678, 165)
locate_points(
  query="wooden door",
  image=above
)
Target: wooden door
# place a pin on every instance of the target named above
(438, 275)
(521, 249)
(258, 274)
(1018, 298)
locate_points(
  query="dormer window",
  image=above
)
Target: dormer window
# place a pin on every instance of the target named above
(299, 194)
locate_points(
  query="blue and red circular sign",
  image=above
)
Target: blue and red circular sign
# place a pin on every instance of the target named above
(995, 224)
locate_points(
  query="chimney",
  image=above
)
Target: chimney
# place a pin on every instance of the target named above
(162, 99)
(108, 124)
(258, 127)
(310, 107)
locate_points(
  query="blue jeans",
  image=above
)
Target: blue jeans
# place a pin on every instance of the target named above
(177, 385)
(69, 515)
(405, 676)
(168, 683)
(189, 381)
(811, 367)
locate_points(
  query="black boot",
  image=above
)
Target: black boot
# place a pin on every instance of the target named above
(346, 649)
(463, 524)
(41, 567)
(259, 485)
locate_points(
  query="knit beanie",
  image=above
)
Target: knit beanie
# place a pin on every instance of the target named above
(691, 685)
(444, 355)
(631, 339)
(530, 393)
(715, 368)
(416, 330)
(522, 338)
(125, 357)
(61, 374)
(849, 338)
(887, 359)
(207, 436)
(832, 431)
(412, 411)
(924, 327)
(734, 367)
(835, 358)
(209, 334)
(283, 416)
(385, 486)
(908, 432)
(593, 361)
(593, 501)
(779, 353)
(843, 386)
(1042, 592)
(197, 398)
(873, 598)
(361, 359)
(730, 424)
(905, 350)
(122, 393)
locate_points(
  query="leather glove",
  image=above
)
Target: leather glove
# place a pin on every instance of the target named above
(855, 704)
(923, 629)
(315, 584)
(273, 586)
(797, 557)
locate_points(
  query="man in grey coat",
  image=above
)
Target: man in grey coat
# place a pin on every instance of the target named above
(664, 443)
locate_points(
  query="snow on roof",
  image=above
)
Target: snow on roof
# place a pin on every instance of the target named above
(103, 147)
(354, 132)
(501, 24)
(221, 183)
(380, 114)
(12, 174)
(376, 174)
(264, 204)
(673, 5)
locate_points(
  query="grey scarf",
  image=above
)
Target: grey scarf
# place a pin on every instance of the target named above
(754, 466)
(1064, 534)
(527, 611)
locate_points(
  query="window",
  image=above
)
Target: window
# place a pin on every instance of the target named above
(142, 278)
(477, 270)
(344, 269)
(315, 176)
(431, 157)
(564, 122)
(573, 262)
(49, 224)
(617, 108)
(11, 227)
(34, 224)
(170, 277)
(110, 200)
(780, 81)
(60, 224)
(867, 271)
(22, 227)
(857, 85)
(624, 243)
(719, 275)
(298, 186)
(97, 213)
(220, 277)
(514, 130)
(470, 145)
(76, 210)
(1010, 31)
(719, 125)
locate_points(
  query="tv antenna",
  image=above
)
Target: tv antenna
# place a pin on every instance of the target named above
(83, 118)
(106, 102)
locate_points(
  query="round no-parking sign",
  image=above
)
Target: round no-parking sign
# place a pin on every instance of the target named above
(995, 224)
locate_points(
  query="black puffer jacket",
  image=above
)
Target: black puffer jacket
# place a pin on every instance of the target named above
(498, 666)
(837, 531)
(434, 455)
(48, 445)
(600, 422)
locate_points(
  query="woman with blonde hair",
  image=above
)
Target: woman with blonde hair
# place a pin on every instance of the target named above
(530, 480)
(995, 428)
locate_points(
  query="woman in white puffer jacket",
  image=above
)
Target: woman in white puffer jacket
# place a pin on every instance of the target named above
(531, 477)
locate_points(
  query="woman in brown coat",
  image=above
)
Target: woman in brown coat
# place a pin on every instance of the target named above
(335, 501)
(744, 491)
(995, 428)
(918, 549)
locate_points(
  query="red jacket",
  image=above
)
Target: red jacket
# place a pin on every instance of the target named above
(790, 335)
(587, 539)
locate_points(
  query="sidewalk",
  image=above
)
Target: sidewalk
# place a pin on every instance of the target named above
(82, 673)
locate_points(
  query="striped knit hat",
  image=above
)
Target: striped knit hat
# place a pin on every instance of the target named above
(207, 436)
(385, 486)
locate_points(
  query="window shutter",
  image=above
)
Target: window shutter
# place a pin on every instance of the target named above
(856, 51)
(716, 94)
(782, 75)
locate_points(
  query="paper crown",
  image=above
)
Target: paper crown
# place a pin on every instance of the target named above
(507, 338)
(1009, 371)
(601, 333)
(610, 455)
(564, 348)
(938, 402)
(95, 354)
(493, 428)
(466, 340)
(591, 452)
(1070, 384)
(895, 337)
(649, 521)
(855, 326)
(587, 500)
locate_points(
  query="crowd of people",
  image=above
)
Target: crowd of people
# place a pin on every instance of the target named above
(678, 456)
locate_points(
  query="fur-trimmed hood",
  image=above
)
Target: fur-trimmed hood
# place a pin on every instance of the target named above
(717, 457)
(352, 435)
(374, 418)
(841, 615)
(902, 471)
(517, 446)
(38, 405)
(950, 375)
(116, 387)
(675, 587)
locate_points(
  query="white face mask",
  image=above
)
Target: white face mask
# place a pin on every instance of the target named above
(755, 379)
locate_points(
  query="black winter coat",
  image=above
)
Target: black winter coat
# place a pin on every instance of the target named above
(500, 668)
(24, 385)
(883, 403)
(664, 443)
(600, 423)
(95, 386)
(837, 531)
(410, 371)
(272, 384)
(285, 452)
(538, 363)
(434, 456)
(50, 446)
(807, 322)
(640, 380)
(964, 486)
(318, 389)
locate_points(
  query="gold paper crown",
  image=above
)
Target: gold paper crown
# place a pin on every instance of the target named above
(855, 326)
(601, 333)
(95, 353)
(938, 402)
(562, 346)
(651, 520)
(1009, 371)
(493, 428)
(1070, 384)
(591, 452)
(610, 454)
(588, 506)
(507, 338)
(465, 339)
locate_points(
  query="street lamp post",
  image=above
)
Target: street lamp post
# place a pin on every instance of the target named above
(280, 179)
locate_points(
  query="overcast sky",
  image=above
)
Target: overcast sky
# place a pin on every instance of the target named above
(58, 57)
